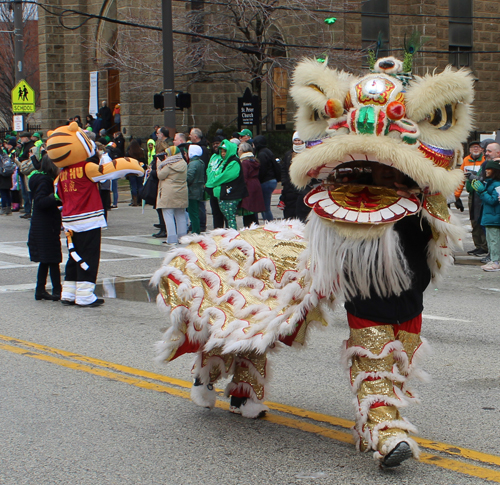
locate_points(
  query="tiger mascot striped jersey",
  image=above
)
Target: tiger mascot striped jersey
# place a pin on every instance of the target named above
(70, 148)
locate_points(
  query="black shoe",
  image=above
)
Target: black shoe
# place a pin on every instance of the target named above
(157, 225)
(46, 296)
(473, 252)
(486, 259)
(68, 302)
(481, 252)
(160, 234)
(400, 453)
(98, 302)
(25, 216)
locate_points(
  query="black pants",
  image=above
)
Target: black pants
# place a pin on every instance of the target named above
(88, 246)
(55, 278)
(161, 221)
(248, 220)
(217, 215)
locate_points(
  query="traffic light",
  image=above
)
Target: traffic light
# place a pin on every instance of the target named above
(158, 101)
(183, 100)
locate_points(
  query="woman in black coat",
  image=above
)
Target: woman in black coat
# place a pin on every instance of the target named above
(44, 241)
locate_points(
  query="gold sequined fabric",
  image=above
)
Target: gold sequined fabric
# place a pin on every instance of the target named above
(223, 284)
(436, 206)
(376, 387)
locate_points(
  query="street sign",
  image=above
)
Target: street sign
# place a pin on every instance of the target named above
(23, 98)
(18, 123)
(248, 109)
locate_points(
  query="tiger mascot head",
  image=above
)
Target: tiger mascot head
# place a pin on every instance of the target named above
(69, 144)
(368, 136)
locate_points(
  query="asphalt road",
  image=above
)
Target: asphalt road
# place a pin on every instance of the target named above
(82, 401)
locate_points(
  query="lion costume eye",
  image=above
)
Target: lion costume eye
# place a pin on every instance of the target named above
(443, 118)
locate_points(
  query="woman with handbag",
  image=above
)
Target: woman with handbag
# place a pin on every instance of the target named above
(228, 183)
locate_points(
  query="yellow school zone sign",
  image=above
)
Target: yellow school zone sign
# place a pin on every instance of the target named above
(23, 98)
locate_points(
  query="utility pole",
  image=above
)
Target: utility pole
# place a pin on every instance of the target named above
(168, 67)
(18, 46)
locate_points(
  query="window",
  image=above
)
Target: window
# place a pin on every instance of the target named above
(375, 25)
(460, 32)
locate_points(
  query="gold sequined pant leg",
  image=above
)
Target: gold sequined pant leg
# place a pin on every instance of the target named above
(375, 381)
(249, 376)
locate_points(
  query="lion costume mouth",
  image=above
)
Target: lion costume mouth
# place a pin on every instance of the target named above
(362, 191)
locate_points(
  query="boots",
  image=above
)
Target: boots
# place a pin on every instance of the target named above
(380, 391)
(6, 211)
(134, 201)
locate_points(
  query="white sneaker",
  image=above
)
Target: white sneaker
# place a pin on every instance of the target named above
(491, 266)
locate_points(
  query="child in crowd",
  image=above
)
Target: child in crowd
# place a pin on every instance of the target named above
(490, 219)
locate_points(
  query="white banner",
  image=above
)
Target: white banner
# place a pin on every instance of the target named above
(94, 95)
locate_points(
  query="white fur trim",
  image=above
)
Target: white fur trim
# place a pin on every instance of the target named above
(252, 409)
(203, 396)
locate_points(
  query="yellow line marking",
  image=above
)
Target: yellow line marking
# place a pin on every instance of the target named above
(447, 463)
(460, 467)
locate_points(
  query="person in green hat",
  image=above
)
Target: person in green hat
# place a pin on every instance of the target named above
(245, 135)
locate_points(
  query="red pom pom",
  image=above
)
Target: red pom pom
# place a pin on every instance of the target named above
(395, 110)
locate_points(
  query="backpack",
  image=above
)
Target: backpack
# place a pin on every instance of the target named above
(7, 167)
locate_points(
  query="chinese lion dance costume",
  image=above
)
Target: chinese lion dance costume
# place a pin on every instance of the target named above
(383, 149)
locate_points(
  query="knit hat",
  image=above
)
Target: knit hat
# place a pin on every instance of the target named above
(296, 136)
(195, 151)
(37, 134)
(26, 134)
(493, 164)
(12, 141)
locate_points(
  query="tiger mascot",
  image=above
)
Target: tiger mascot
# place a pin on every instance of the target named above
(384, 149)
(82, 212)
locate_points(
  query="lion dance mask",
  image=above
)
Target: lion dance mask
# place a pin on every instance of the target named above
(382, 151)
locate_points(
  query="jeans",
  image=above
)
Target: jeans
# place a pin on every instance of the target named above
(267, 191)
(5, 195)
(114, 188)
(175, 220)
(135, 184)
(26, 195)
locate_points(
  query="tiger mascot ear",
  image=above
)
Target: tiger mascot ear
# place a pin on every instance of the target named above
(68, 145)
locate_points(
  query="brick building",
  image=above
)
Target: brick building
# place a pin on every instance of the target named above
(456, 32)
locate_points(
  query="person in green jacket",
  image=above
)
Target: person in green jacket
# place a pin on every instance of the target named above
(196, 185)
(213, 165)
(151, 151)
(228, 183)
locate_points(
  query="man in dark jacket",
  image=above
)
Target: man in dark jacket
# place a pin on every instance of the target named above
(197, 138)
(106, 116)
(269, 173)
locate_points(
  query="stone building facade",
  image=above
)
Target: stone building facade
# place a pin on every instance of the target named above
(456, 31)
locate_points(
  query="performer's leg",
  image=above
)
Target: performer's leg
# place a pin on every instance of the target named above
(376, 382)
(68, 294)
(246, 389)
(88, 246)
(41, 280)
(414, 349)
(55, 279)
(208, 367)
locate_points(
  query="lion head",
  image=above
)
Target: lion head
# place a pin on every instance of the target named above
(367, 137)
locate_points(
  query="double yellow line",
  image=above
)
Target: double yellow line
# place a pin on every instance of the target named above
(161, 383)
